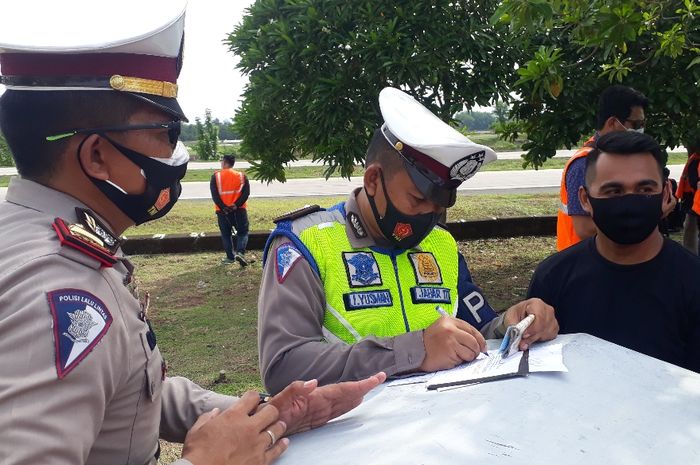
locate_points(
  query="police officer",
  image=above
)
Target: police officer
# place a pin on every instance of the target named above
(361, 286)
(91, 118)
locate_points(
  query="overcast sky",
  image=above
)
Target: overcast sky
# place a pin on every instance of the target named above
(208, 78)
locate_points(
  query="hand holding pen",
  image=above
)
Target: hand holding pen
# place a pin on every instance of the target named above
(449, 342)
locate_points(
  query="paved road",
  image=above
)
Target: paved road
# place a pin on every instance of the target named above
(486, 182)
(208, 165)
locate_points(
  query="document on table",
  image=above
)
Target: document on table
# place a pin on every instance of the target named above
(540, 358)
(482, 369)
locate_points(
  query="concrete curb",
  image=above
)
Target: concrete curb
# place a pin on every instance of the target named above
(465, 230)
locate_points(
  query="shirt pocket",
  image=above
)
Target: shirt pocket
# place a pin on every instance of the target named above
(155, 369)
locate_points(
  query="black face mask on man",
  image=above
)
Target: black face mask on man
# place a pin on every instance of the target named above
(627, 219)
(163, 186)
(403, 231)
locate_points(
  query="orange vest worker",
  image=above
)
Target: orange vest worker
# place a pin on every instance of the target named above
(566, 235)
(684, 186)
(229, 183)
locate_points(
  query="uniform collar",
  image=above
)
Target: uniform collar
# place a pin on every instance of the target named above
(56, 204)
(43, 199)
(355, 224)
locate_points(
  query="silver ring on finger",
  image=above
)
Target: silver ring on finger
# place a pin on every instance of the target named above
(273, 439)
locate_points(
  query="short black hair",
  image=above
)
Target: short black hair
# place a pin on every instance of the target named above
(618, 101)
(625, 143)
(28, 117)
(230, 159)
(380, 151)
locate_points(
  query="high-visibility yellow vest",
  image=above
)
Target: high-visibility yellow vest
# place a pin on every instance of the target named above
(384, 293)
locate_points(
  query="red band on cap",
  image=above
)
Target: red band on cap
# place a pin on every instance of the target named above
(427, 162)
(89, 64)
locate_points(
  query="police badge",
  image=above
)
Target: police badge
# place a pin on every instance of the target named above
(467, 166)
(362, 269)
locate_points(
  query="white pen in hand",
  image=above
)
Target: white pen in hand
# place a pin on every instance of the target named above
(443, 312)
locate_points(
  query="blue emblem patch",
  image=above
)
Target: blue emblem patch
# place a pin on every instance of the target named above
(367, 299)
(80, 320)
(285, 258)
(362, 269)
(424, 294)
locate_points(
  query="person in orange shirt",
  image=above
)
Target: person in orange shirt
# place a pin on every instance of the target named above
(689, 193)
(229, 191)
(620, 108)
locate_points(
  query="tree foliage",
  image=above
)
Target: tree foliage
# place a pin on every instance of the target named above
(207, 138)
(476, 120)
(316, 67)
(573, 49)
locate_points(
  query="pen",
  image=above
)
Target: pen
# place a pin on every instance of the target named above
(443, 312)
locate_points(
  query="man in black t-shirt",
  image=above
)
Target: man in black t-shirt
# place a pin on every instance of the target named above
(627, 284)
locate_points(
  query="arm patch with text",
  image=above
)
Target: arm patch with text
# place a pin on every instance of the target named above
(80, 321)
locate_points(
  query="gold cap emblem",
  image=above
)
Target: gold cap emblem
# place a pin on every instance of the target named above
(398, 145)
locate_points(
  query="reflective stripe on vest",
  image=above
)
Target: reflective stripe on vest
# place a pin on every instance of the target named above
(566, 234)
(685, 189)
(373, 293)
(229, 184)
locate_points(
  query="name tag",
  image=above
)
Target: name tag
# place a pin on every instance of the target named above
(367, 299)
(422, 295)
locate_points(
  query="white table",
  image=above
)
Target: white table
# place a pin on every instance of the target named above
(614, 406)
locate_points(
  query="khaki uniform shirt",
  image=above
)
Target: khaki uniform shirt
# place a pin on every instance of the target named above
(291, 343)
(67, 395)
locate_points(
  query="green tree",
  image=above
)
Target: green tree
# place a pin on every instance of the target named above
(475, 120)
(207, 138)
(5, 155)
(316, 67)
(573, 49)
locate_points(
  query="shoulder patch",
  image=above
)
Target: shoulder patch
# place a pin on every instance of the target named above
(286, 256)
(298, 213)
(80, 320)
(78, 237)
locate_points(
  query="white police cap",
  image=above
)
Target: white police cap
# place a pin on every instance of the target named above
(437, 156)
(133, 46)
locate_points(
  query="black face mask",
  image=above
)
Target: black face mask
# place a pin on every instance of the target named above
(163, 186)
(628, 219)
(403, 231)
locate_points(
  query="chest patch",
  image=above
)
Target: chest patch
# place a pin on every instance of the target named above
(285, 258)
(367, 299)
(426, 268)
(80, 320)
(425, 294)
(362, 269)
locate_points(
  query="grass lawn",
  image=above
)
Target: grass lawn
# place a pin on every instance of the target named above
(198, 215)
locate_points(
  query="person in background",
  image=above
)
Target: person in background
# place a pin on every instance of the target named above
(229, 191)
(620, 108)
(689, 193)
